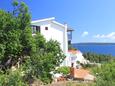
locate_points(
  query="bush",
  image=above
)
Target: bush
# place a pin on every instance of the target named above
(12, 78)
(64, 70)
(47, 56)
(106, 74)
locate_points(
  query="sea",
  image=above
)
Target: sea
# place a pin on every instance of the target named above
(99, 48)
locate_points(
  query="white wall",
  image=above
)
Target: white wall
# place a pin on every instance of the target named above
(55, 32)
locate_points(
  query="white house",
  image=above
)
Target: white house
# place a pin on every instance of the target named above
(75, 56)
(52, 29)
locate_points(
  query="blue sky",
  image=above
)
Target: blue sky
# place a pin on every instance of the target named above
(92, 20)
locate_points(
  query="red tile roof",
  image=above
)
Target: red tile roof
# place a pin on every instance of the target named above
(74, 51)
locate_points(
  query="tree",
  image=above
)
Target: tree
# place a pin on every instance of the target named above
(16, 39)
(47, 56)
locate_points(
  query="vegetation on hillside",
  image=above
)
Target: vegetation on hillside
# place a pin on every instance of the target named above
(98, 58)
(105, 75)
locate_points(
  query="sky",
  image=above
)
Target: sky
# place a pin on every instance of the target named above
(92, 20)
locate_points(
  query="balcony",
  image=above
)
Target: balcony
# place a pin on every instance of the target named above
(69, 33)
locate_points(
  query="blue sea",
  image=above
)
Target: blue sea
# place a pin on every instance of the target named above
(99, 48)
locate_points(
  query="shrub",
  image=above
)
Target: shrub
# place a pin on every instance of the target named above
(65, 70)
(106, 74)
(12, 78)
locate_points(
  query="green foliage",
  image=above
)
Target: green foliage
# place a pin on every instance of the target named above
(39, 67)
(2, 51)
(98, 58)
(47, 56)
(53, 47)
(27, 42)
(16, 42)
(13, 46)
(88, 65)
(12, 78)
(105, 74)
(65, 70)
(16, 39)
(39, 41)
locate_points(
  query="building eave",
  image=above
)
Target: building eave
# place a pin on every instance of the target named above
(57, 23)
(42, 20)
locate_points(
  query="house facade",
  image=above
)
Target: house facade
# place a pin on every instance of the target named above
(52, 29)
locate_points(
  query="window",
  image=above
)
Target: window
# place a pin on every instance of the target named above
(46, 28)
(35, 29)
